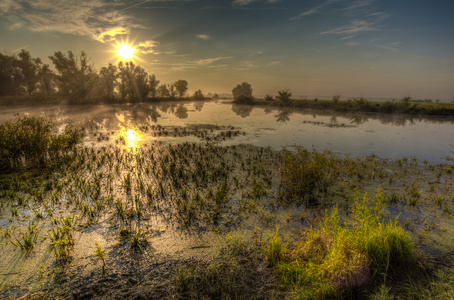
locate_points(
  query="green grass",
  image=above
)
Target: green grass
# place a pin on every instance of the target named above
(28, 237)
(338, 256)
(100, 254)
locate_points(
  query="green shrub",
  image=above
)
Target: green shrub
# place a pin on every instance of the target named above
(337, 256)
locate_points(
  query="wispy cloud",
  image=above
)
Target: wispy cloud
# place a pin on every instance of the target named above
(355, 26)
(100, 20)
(208, 61)
(110, 34)
(358, 4)
(313, 10)
(147, 46)
(246, 2)
(202, 36)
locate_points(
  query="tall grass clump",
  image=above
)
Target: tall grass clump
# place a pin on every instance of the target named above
(338, 256)
(307, 175)
(34, 141)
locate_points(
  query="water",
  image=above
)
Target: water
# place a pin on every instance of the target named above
(357, 134)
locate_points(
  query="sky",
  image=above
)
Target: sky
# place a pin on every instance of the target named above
(355, 48)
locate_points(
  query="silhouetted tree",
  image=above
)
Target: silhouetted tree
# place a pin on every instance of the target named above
(163, 91)
(198, 95)
(284, 97)
(242, 93)
(109, 76)
(181, 86)
(6, 78)
(153, 83)
(76, 76)
(46, 80)
(30, 68)
(133, 82)
(269, 98)
(172, 90)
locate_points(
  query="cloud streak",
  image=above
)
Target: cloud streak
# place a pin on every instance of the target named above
(313, 10)
(247, 2)
(208, 61)
(202, 36)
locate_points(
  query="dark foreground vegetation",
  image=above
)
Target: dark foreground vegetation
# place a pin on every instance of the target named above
(203, 221)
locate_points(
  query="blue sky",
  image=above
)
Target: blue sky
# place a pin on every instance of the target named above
(368, 48)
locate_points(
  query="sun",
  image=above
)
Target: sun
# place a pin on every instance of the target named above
(125, 52)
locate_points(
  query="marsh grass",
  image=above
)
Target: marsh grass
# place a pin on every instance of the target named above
(28, 236)
(34, 141)
(100, 254)
(307, 175)
(339, 256)
(196, 188)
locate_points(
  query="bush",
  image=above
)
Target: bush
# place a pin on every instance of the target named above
(307, 174)
(34, 141)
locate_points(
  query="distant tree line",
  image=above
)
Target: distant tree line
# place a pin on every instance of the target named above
(242, 94)
(74, 78)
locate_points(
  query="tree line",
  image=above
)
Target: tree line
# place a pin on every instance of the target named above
(75, 78)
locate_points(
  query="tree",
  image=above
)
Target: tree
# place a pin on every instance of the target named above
(30, 68)
(284, 97)
(6, 71)
(181, 86)
(198, 95)
(153, 83)
(46, 80)
(269, 98)
(76, 76)
(172, 90)
(242, 93)
(163, 91)
(133, 82)
(109, 76)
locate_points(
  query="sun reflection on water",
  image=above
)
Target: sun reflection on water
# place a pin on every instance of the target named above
(130, 138)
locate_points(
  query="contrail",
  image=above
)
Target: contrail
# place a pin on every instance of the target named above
(133, 6)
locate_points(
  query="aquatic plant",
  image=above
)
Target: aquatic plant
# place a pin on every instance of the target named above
(33, 141)
(307, 174)
(100, 254)
(28, 236)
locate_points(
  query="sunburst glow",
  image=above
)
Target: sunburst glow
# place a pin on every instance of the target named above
(125, 51)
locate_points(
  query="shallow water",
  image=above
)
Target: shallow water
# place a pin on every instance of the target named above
(387, 136)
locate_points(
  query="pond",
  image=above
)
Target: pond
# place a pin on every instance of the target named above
(358, 134)
(142, 203)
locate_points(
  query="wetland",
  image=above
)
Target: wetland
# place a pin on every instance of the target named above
(214, 200)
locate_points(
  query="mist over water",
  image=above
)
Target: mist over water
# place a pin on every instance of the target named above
(357, 134)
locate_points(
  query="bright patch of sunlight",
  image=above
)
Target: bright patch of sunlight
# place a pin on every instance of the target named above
(125, 51)
(130, 138)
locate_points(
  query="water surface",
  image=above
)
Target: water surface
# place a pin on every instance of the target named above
(357, 134)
